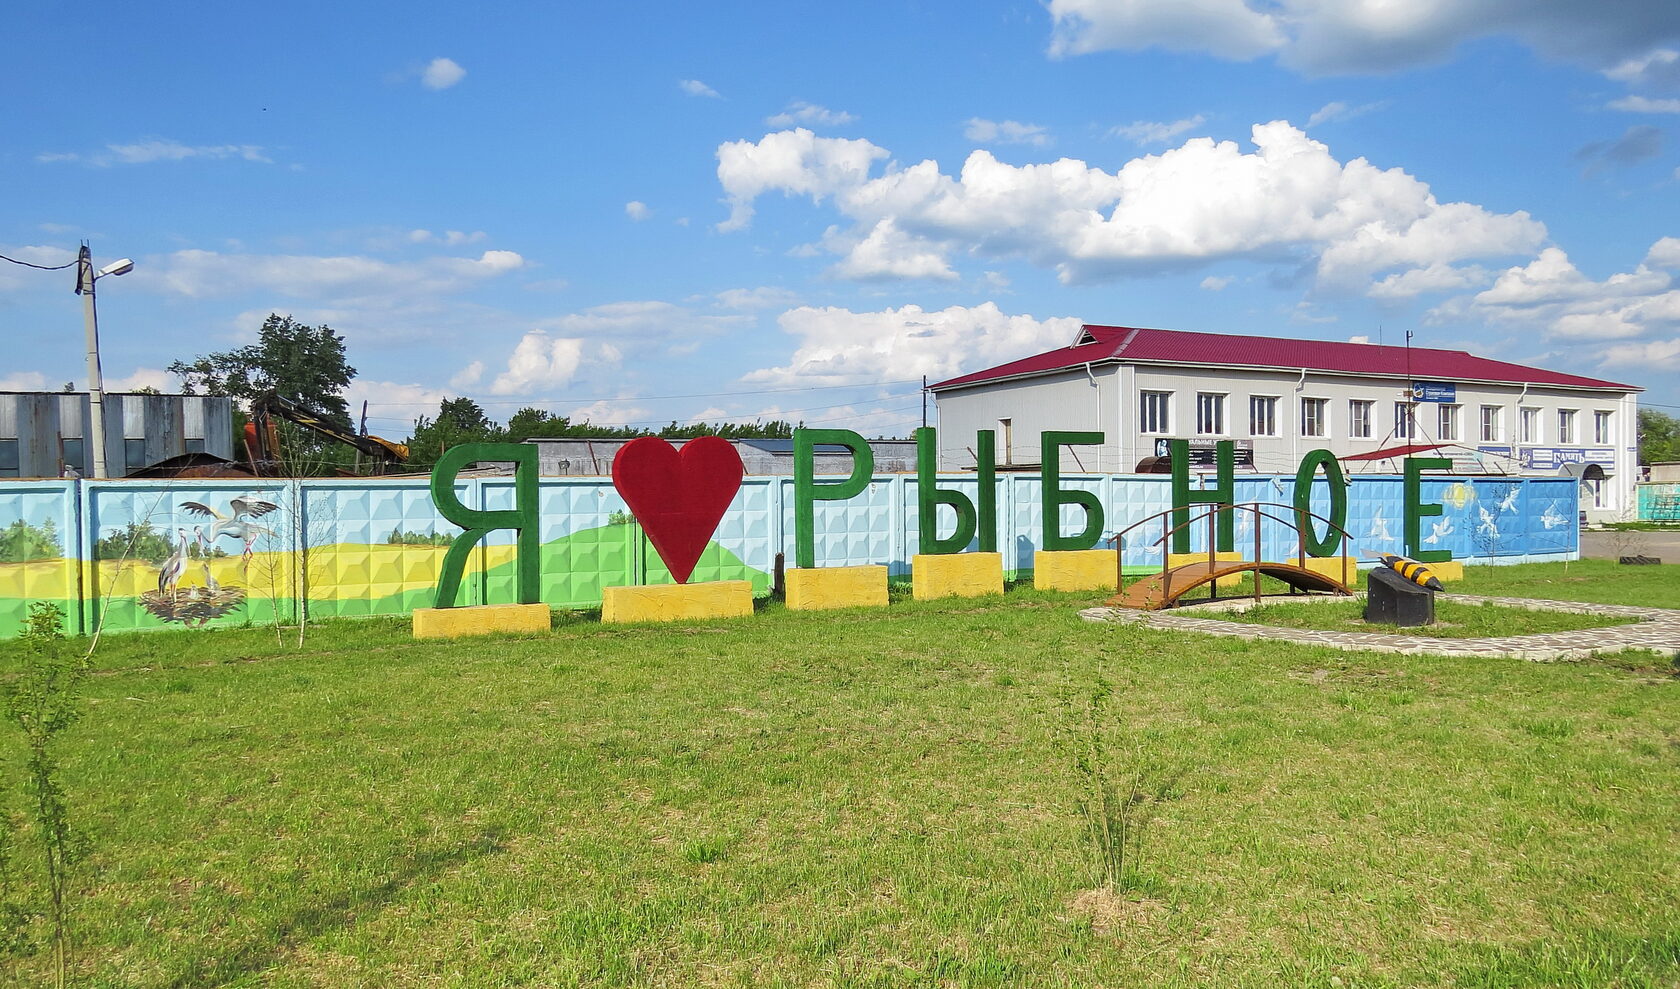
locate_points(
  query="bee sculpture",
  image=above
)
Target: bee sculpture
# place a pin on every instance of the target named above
(1412, 570)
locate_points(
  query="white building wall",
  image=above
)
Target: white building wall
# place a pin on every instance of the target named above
(1067, 401)
(1109, 398)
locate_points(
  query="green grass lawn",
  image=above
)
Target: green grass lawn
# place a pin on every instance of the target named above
(868, 798)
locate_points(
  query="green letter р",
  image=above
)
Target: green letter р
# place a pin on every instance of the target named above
(929, 497)
(523, 516)
(1054, 497)
(807, 492)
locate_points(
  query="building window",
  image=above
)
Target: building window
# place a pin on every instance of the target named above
(1530, 426)
(1359, 419)
(1602, 434)
(1262, 416)
(1449, 421)
(1315, 416)
(1566, 425)
(9, 458)
(75, 455)
(1493, 424)
(1154, 412)
(134, 454)
(1210, 414)
(1403, 412)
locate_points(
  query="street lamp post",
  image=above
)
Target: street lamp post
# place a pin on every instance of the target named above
(85, 277)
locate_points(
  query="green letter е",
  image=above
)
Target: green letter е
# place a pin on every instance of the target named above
(523, 516)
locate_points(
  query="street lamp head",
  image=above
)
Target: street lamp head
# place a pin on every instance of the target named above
(119, 267)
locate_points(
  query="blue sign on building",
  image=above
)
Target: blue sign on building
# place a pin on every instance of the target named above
(1553, 457)
(1434, 391)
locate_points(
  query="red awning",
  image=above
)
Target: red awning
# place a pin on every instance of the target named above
(1393, 452)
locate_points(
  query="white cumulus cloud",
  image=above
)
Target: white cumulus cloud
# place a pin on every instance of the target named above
(637, 210)
(695, 87)
(1553, 295)
(539, 361)
(441, 73)
(1287, 201)
(795, 162)
(841, 347)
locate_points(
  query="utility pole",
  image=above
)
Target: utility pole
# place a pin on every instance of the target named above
(924, 401)
(94, 428)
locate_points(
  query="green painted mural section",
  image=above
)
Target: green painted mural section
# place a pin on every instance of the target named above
(575, 570)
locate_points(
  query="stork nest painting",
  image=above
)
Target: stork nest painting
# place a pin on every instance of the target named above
(194, 606)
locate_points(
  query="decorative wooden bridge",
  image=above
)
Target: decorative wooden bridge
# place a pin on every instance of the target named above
(1164, 589)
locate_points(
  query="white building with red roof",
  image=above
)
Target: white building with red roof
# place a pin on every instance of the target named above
(1369, 404)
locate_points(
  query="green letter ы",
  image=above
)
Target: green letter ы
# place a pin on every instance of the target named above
(522, 516)
(1054, 497)
(929, 497)
(807, 492)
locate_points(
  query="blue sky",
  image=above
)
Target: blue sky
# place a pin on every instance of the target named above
(646, 212)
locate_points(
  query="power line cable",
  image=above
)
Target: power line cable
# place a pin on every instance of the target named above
(43, 267)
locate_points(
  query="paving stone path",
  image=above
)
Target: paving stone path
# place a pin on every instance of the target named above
(1657, 629)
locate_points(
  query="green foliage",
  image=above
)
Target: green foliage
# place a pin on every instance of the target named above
(400, 538)
(303, 363)
(620, 518)
(21, 542)
(1109, 796)
(1659, 437)
(459, 420)
(136, 541)
(42, 701)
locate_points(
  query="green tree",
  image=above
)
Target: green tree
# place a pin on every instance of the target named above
(1659, 437)
(459, 420)
(303, 363)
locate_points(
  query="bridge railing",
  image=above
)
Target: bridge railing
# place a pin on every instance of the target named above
(1295, 519)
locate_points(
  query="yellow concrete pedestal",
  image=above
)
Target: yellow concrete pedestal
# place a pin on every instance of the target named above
(677, 602)
(1074, 570)
(1179, 559)
(479, 619)
(1331, 566)
(962, 575)
(1447, 571)
(821, 588)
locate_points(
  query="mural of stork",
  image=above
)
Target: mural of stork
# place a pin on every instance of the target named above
(169, 575)
(240, 523)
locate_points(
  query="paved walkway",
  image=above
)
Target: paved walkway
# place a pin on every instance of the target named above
(1657, 629)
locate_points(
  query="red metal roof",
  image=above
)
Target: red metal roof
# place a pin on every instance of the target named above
(1130, 344)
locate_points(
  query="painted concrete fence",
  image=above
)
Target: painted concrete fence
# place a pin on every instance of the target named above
(1659, 501)
(135, 554)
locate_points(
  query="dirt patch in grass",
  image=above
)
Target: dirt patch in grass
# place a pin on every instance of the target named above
(1110, 912)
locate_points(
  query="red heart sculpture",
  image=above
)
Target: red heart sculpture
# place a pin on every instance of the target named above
(679, 497)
